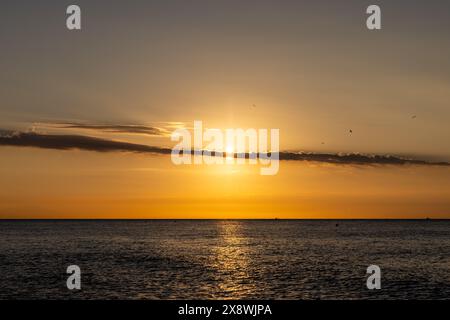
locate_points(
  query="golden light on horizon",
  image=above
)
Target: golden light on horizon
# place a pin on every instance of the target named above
(101, 185)
(229, 149)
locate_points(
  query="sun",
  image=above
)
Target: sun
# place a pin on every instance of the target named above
(229, 149)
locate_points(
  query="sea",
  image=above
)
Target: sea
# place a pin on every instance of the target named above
(225, 259)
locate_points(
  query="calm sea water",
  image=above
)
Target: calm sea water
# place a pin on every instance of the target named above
(225, 259)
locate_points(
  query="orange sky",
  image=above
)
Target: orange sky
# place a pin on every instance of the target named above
(308, 68)
(77, 184)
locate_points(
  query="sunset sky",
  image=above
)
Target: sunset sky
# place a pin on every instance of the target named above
(140, 69)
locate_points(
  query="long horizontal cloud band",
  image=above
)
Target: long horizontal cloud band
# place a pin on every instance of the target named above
(68, 142)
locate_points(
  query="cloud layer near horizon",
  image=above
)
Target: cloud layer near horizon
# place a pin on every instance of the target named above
(80, 142)
(69, 142)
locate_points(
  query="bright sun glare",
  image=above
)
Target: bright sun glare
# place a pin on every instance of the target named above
(229, 149)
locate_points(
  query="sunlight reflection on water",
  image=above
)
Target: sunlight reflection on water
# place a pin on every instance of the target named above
(225, 259)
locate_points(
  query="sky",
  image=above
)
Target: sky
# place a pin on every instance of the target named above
(86, 116)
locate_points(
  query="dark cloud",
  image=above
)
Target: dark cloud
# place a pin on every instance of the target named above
(355, 158)
(68, 142)
(112, 128)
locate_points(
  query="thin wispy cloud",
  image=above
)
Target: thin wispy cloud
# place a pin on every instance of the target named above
(141, 129)
(80, 142)
(136, 129)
